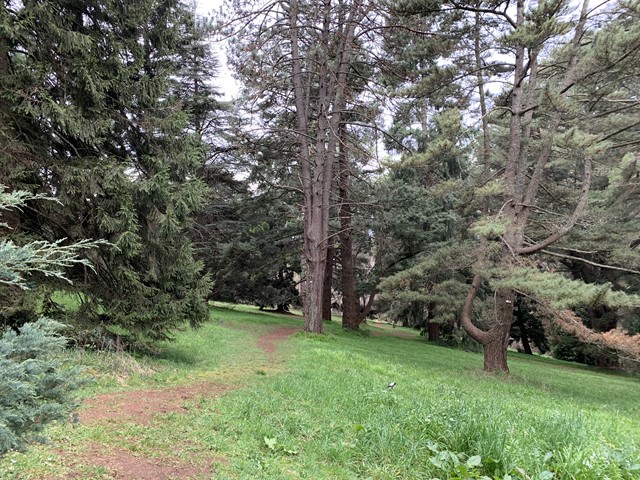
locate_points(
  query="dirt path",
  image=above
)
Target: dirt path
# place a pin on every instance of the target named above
(141, 407)
(269, 343)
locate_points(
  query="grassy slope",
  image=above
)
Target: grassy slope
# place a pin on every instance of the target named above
(329, 415)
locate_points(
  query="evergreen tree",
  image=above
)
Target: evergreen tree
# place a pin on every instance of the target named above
(564, 121)
(104, 130)
(307, 75)
(551, 146)
(36, 387)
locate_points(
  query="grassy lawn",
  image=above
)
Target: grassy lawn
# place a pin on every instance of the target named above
(323, 410)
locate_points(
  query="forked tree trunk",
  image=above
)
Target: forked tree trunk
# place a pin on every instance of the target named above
(521, 182)
(497, 338)
(493, 341)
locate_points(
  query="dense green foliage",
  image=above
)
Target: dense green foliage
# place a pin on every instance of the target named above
(37, 384)
(104, 130)
(520, 199)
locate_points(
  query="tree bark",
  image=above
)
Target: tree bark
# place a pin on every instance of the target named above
(433, 331)
(331, 59)
(328, 281)
(495, 344)
(495, 350)
(433, 328)
(350, 302)
(519, 193)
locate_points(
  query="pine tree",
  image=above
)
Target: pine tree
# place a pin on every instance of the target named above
(551, 145)
(299, 82)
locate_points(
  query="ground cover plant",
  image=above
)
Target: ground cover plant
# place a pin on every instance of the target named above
(320, 408)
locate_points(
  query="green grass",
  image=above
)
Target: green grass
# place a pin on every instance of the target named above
(326, 412)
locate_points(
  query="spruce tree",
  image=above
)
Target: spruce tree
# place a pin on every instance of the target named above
(36, 387)
(104, 130)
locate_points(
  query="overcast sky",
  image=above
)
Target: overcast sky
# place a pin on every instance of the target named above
(224, 81)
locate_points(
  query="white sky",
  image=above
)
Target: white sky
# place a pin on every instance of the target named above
(227, 85)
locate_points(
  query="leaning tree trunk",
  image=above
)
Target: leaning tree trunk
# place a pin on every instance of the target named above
(497, 338)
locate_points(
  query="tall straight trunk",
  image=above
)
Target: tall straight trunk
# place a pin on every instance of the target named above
(328, 72)
(315, 173)
(350, 302)
(328, 281)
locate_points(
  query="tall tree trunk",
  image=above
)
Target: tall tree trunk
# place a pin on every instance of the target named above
(433, 328)
(350, 302)
(313, 175)
(316, 256)
(332, 57)
(328, 280)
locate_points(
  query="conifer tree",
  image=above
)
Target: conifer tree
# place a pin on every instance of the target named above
(35, 386)
(549, 153)
(304, 55)
(92, 116)
(563, 121)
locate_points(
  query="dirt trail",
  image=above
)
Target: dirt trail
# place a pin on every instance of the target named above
(141, 407)
(269, 343)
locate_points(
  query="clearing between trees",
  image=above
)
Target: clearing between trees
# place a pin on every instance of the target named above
(247, 397)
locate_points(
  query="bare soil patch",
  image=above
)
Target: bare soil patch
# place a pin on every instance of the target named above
(122, 464)
(268, 343)
(141, 407)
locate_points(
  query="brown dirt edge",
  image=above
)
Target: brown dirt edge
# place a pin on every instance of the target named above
(140, 407)
(120, 463)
